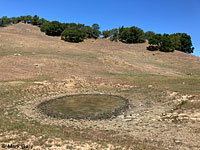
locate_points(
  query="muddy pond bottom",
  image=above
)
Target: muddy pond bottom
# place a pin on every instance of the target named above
(84, 106)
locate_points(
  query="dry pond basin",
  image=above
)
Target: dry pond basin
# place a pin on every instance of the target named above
(84, 106)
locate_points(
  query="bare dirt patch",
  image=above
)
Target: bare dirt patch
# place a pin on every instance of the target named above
(85, 106)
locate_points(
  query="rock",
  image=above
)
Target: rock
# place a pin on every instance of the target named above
(121, 116)
(150, 86)
(177, 142)
(128, 119)
(17, 54)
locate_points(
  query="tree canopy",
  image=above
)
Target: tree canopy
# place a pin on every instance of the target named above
(149, 34)
(182, 42)
(169, 43)
(126, 35)
(35, 20)
(74, 35)
(132, 35)
(73, 32)
(53, 28)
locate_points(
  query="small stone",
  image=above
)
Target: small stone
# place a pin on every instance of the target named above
(17, 54)
(177, 142)
(121, 116)
(128, 119)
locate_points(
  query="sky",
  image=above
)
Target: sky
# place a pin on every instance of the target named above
(160, 16)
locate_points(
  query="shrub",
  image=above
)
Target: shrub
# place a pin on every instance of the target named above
(132, 35)
(73, 35)
(114, 34)
(35, 20)
(161, 42)
(53, 28)
(166, 44)
(95, 31)
(182, 42)
(149, 34)
(106, 34)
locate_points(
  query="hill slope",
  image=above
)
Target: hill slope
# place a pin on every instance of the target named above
(163, 90)
(54, 55)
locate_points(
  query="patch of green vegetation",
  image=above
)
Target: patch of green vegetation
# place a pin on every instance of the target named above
(184, 102)
(135, 75)
(5, 52)
(190, 105)
(69, 147)
(38, 79)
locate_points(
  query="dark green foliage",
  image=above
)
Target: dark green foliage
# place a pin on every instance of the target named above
(18, 19)
(114, 34)
(56, 28)
(152, 48)
(149, 34)
(35, 20)
(41, 21)
(169, 43)
(14, 20)
(161, 42)
(27, 19)
(44, 26)
(155, 40)
(95, 31)
(126, 35)
(4, 21)
(182, 42)
(166, 44)
(106, 34)
(121, 29)
(176, 41)
(186, 43)
(73, 35)
(88, 31)
(183, 102)
(22, 18)
(53, 28)
(132, 35)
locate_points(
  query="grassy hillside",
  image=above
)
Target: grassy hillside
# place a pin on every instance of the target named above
(163, 90)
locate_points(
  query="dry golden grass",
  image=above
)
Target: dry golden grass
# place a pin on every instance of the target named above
(34, 66)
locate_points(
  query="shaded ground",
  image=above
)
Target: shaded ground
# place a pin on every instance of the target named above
(162, 88)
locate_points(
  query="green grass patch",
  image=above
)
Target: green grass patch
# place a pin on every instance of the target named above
(134, 75)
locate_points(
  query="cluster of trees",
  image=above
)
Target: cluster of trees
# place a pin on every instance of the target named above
(79, 32)
(70, 32)
(165, 43)
(4, 21)
(125, 35)
(169, 43)
(73, 32)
